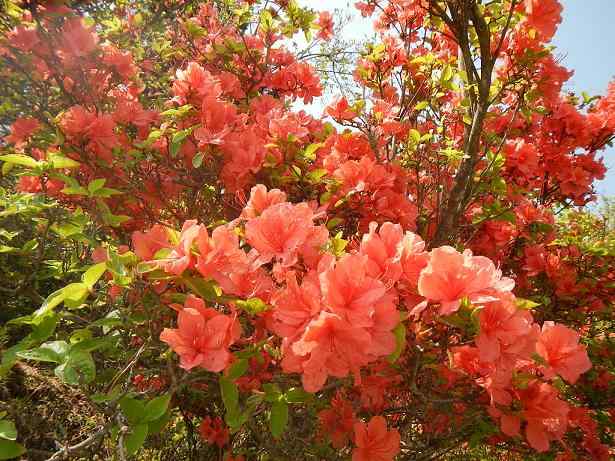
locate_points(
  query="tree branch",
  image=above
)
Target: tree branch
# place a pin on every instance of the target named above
(453, 207)
(70, 450)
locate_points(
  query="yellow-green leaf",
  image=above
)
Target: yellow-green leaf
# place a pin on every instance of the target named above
(20, 159)
(59, 162)
(91, 276)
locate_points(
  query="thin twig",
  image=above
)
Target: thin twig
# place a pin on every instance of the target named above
(69, 450)
(121, 452)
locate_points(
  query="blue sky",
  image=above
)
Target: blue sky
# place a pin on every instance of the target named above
(585, 42)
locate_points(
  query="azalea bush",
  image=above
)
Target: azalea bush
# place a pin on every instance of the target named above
(226, 256)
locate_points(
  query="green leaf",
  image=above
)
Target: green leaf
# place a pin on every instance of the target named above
(7, 430)
(41, 331)
(297, 171)
(75, 291)
(20, 159)
(45, 328)
(252, 306)
(498, 185)
(334, 222)
(101, 397)
(92, 344)
(77, 299)
(235, 420)
(230, 394)
(509, 216)
(421, 105)
(59, 347)
(238, 369)
(526, 303)
(400, 342)
(483, 429)
(71, 291)
(278, 418)
(153, 136)
(197, 160)
(75, 190)
(80, 335)
(106, 192)
(61, 162)
(96, 184)
(272, 392)
(54, 351)
(133, 409)
(316, 175)
(78, 369)
(266, 20)
(157, 407)
(29, 246)
(177, 112)
(8, 235)
(115, 220)
(338, 244)
(206, 289)
(297, 395)
(68, 229)
(415, 136)
(10, 449)
(325, 197)
(13, 10)
(108, 217)
(159, 424)
(7, 167)
(253, 401)
(93, 274)
(111, 320)
(194, 30)
(447, 74)
(135, 439)
(251, 351)
(178, 139)
(310, 151)
(9, 356)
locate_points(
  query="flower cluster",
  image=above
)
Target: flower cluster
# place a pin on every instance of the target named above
(336, 315)
(511, 358)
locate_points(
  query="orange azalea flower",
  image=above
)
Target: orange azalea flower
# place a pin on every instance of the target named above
(374, 441)
(559, 346)
(203, 336)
